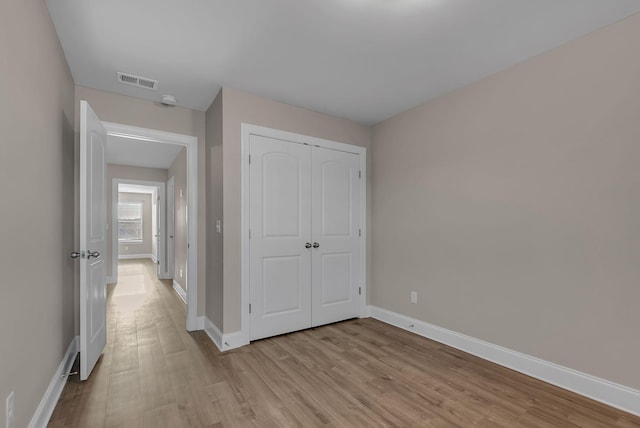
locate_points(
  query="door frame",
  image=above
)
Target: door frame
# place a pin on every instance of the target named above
(246, 131)
(191, 144)
(162, 242)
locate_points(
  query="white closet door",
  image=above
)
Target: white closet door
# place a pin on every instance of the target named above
(280, 224)
(335, 223)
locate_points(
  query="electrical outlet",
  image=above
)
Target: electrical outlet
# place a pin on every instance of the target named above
(10, 410)
(414, 297)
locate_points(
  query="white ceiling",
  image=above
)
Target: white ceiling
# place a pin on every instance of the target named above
(134, 152)
(365, 60)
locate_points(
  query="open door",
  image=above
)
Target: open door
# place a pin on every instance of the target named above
(93, 211)
(171, 221)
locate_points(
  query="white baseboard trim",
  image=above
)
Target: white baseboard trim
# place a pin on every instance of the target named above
(51, 396)
(613, 394)
(134, 256)
(181, 291)
(224, 342)
(110, 280)
(154, 258)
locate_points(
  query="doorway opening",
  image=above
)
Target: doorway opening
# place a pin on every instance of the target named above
(136, 159)
(138, 218)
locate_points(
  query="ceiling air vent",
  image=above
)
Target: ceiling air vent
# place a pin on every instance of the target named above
(141, 82)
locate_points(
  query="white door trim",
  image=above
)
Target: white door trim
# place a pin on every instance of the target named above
(246, 131)
(191, 143)
(162, 242)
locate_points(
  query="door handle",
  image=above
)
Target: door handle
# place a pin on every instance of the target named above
(316, 245)
(75, 255)
(92, 254)
(307, 245)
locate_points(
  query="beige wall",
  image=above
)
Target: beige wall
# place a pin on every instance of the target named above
(137, 112)
(36, 236)
(144, 247)
(239, 107)
(512, 207)
(178, 170)
(131, 173)
(214, 291)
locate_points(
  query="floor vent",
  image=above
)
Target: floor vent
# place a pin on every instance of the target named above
(141, 82)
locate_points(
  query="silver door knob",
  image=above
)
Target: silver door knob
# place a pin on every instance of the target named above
(316, 245)
(75, 255)
(307, 245)
(92, 254)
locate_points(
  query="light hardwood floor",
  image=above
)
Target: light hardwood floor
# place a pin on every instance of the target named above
(359, 373)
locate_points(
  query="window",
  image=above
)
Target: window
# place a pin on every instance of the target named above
(130, 221)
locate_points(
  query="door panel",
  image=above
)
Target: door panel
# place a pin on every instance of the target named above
(280, 279)
(335, 225)
(336, 278)
(281, 195)
(93, 334)
(280, 226)
(336, 199)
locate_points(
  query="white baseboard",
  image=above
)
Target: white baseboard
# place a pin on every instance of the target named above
(224, 342)
(110, 280)
(181, 291)
(598, 389)
(51, 396)
(134, 256)
(154, 258)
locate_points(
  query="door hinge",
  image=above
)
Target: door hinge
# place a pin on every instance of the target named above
(359, 174)
(249, 159)
(359, 232)
(359, 291)
(249, 233)
(249, 307)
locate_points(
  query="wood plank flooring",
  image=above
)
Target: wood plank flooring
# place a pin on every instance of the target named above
(359, 373)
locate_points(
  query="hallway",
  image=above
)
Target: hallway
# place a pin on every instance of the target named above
(146, 372)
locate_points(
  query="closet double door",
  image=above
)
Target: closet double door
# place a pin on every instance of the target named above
(304, 236)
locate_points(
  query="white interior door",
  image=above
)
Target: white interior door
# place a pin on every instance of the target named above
(280, 229)
(336, 243)
(171, 219)
(93, 319)
(155, 227)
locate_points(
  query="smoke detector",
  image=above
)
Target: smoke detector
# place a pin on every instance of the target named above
(140, 82)
(168, 100)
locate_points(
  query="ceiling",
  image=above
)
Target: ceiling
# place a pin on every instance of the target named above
(136, 188)
(365, 60)
(136, 152)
